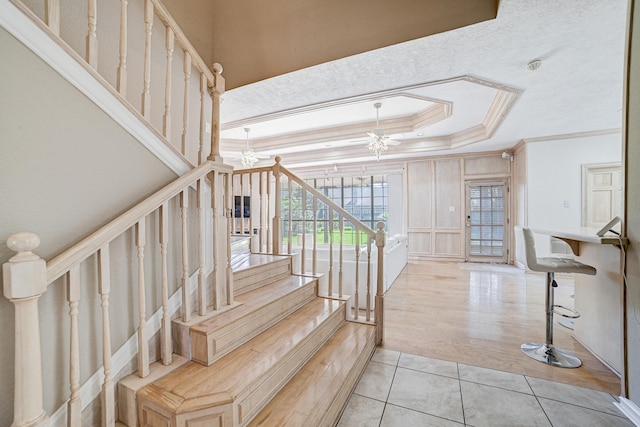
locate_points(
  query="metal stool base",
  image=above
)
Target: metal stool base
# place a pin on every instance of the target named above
(550, 355)
(567, 323)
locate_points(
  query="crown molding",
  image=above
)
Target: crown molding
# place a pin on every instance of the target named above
(587, 134)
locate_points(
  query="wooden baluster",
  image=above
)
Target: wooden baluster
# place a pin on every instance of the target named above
(74, 405)
(261, 221)
(341, 225)
(104, 288)
(304, 230)
(202, 288)
(368, 304)
(166, 343)
(241, 217)
(357, 282)
(290, 240)
(268, 222)
(143, 339)
(203, 120)
(330, 227)
(186, 286)
(379, 310)
(121, 79)
(315, 236)
(166, 119)
(185, 110)
(251, 211)
(25, 279)
(146, 91)
(216, 92)
(229, 198)
(277, 211)
(215, 194)
(92, 40)
(52, 15)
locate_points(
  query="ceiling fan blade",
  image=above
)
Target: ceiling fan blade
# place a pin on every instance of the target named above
(376, 133)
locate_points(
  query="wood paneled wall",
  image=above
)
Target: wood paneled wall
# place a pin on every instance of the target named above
(436, 201)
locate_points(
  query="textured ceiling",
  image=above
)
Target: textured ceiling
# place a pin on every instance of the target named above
(577, 89)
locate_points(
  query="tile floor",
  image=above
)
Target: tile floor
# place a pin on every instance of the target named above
(400, 389)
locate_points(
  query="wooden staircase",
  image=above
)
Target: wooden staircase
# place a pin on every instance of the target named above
(280, 356)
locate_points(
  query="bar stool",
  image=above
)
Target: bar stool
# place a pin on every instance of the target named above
(546, 352)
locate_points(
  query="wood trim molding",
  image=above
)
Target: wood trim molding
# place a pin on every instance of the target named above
(612, 131)
(66, 62)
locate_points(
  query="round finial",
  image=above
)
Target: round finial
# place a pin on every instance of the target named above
(217, 68)
(23, 244)
(277, 159)
(380, 225)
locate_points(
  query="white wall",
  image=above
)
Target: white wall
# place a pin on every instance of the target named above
(554, 176)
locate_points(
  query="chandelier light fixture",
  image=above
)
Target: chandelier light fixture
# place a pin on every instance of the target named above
(249, 157)
(378, 143)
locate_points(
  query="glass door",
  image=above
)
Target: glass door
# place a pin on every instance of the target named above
(486, 221)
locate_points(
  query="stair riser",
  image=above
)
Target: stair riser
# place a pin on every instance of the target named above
(250, 279)
(239, 410)
(209, 348)
(249, 404)
(330, 417)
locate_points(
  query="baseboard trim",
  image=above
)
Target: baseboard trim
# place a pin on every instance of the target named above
(630, 409)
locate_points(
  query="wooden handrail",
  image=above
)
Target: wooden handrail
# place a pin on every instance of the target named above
(355, 221)
(90, 245)
(167, 19)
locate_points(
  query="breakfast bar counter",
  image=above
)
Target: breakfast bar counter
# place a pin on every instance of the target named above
(599, 298)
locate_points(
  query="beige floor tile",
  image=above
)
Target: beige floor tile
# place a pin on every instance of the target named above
(432, 394)
(429, 365)
(566, 415)
(579, 396)
(361, 412)
(375, 382)
(494, 407)
(396, 416)
(382, 355)
(494, 378)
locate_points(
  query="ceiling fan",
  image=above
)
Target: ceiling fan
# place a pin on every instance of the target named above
(379, 142)
(248, 157)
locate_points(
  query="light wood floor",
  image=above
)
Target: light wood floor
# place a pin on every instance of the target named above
(481, 317)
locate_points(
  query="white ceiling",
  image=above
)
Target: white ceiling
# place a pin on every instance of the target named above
(466, 90)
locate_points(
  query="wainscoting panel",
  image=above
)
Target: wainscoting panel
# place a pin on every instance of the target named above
(448, 244)
(448, 193)
(419, 243)
(419, 191)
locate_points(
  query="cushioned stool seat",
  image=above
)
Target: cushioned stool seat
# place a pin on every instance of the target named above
(546, 352)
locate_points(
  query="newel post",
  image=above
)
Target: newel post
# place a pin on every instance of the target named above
(379, 311)
(216, 91)
(277, 212)
(25, 279)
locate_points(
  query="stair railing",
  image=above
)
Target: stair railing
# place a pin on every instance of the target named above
(135, 22)
(297, 213)
(163, 214)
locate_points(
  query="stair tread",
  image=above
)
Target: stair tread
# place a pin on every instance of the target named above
(256, 260)
(253, 300)
(196, 385)
(312, 388)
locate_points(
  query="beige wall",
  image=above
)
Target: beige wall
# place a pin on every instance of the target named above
(255, 39)
(632, 207)
(436, 201)
(66, 168)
